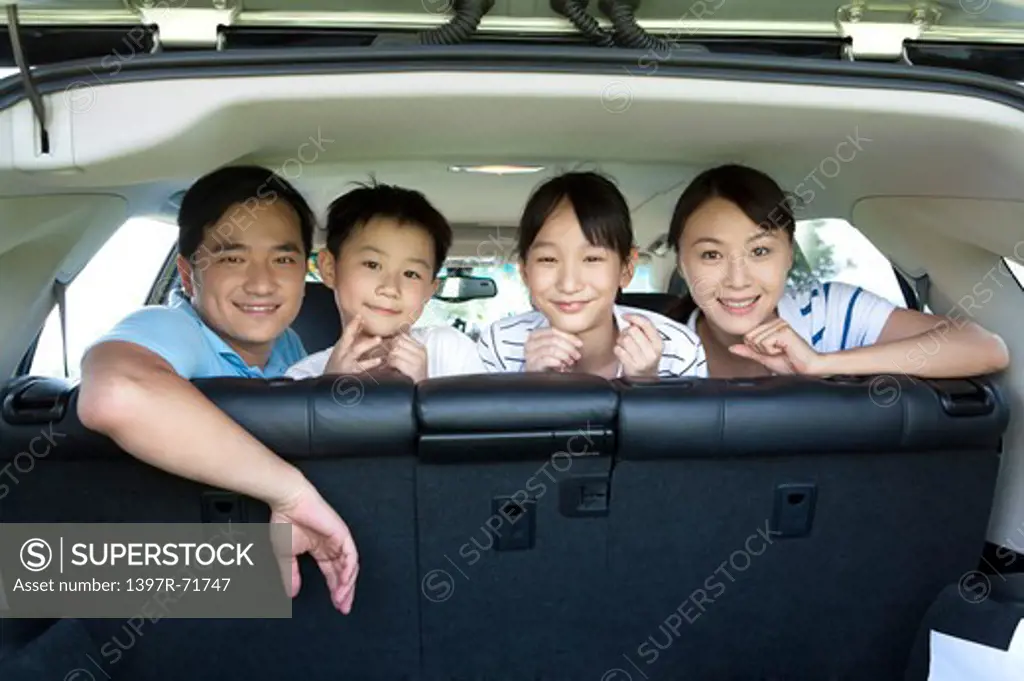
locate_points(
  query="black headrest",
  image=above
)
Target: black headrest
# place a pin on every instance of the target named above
(318, 323)
(655, 302)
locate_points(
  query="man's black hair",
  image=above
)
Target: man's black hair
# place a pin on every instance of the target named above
(601, 209)
(251, 189)
(355, 208)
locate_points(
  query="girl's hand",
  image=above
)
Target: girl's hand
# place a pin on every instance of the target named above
(552, 350)
(639, 347)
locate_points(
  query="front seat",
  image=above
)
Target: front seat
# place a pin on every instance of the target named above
(318, 323)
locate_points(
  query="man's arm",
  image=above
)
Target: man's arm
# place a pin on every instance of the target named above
(138, 400)
(134, 397)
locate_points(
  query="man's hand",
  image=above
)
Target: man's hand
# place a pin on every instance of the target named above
(346, 357)
(552, 350)
(408, 357)
(318, 530)
(639, 347)
(780, 349)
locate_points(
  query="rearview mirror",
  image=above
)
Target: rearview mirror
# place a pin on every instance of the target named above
(459, 289)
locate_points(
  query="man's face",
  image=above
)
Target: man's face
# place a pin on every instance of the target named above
(571, 281)
(247, 279)
(384, 273)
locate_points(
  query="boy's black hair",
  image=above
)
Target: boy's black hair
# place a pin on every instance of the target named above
(355, 208)
(601, 209)
(251, 188)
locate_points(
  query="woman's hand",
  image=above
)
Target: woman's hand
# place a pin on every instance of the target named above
(780, 349)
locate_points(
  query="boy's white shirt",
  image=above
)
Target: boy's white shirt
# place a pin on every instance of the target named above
(449, 353)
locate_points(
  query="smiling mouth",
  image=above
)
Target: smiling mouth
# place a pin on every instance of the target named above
(258, 309)
(382, 310)
(739, 306)
(572, 306)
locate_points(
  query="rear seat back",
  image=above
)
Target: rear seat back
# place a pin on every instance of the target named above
(356, 443)
(511, 525)
(793, 528)
(512, 498)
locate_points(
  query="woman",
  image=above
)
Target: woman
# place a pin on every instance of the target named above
(575, 252)
(733, 232)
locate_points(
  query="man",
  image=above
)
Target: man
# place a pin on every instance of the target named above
(244, 237)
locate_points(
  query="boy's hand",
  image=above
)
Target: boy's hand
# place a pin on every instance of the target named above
(639, 347)
(408, 357)
(551, 350)
(346, 358)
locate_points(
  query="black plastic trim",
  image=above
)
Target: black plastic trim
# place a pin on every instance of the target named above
(997, 559)
(1002, 61)
(495, 58)
(56, 44)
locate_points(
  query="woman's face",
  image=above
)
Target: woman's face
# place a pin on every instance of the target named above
(735, 269)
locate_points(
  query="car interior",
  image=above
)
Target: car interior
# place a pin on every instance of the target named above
(867, 497)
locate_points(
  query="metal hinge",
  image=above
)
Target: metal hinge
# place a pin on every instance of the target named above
(181, 24)
(880, 32)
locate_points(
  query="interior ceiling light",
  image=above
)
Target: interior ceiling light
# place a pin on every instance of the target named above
(497, 169)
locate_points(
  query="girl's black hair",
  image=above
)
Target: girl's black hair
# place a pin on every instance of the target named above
(599, 206)
(756, 194)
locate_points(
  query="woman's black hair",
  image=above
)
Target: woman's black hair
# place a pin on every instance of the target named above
(599, 206)
(756, 194)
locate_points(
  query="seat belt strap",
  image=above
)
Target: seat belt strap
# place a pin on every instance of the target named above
(59, 292)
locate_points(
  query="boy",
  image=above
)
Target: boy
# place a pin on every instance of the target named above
(385, 246)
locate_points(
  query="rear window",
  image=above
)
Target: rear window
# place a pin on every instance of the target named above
(835, 250)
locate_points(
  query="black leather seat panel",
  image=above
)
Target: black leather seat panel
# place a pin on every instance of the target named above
(786, 527)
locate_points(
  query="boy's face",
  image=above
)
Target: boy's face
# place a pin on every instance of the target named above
(385, 273)
(571, 281)
(248, 283)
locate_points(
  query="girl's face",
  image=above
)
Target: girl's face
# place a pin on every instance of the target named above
(735, 269)
(571, 281)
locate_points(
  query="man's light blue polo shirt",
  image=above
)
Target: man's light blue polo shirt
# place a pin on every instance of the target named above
(177, 333)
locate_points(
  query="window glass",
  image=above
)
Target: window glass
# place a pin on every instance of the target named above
(112, 285)
(834, 250)
(1016, 269)
(512, 298)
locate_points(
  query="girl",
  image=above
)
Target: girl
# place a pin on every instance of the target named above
(575, 248)
(733, 231)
